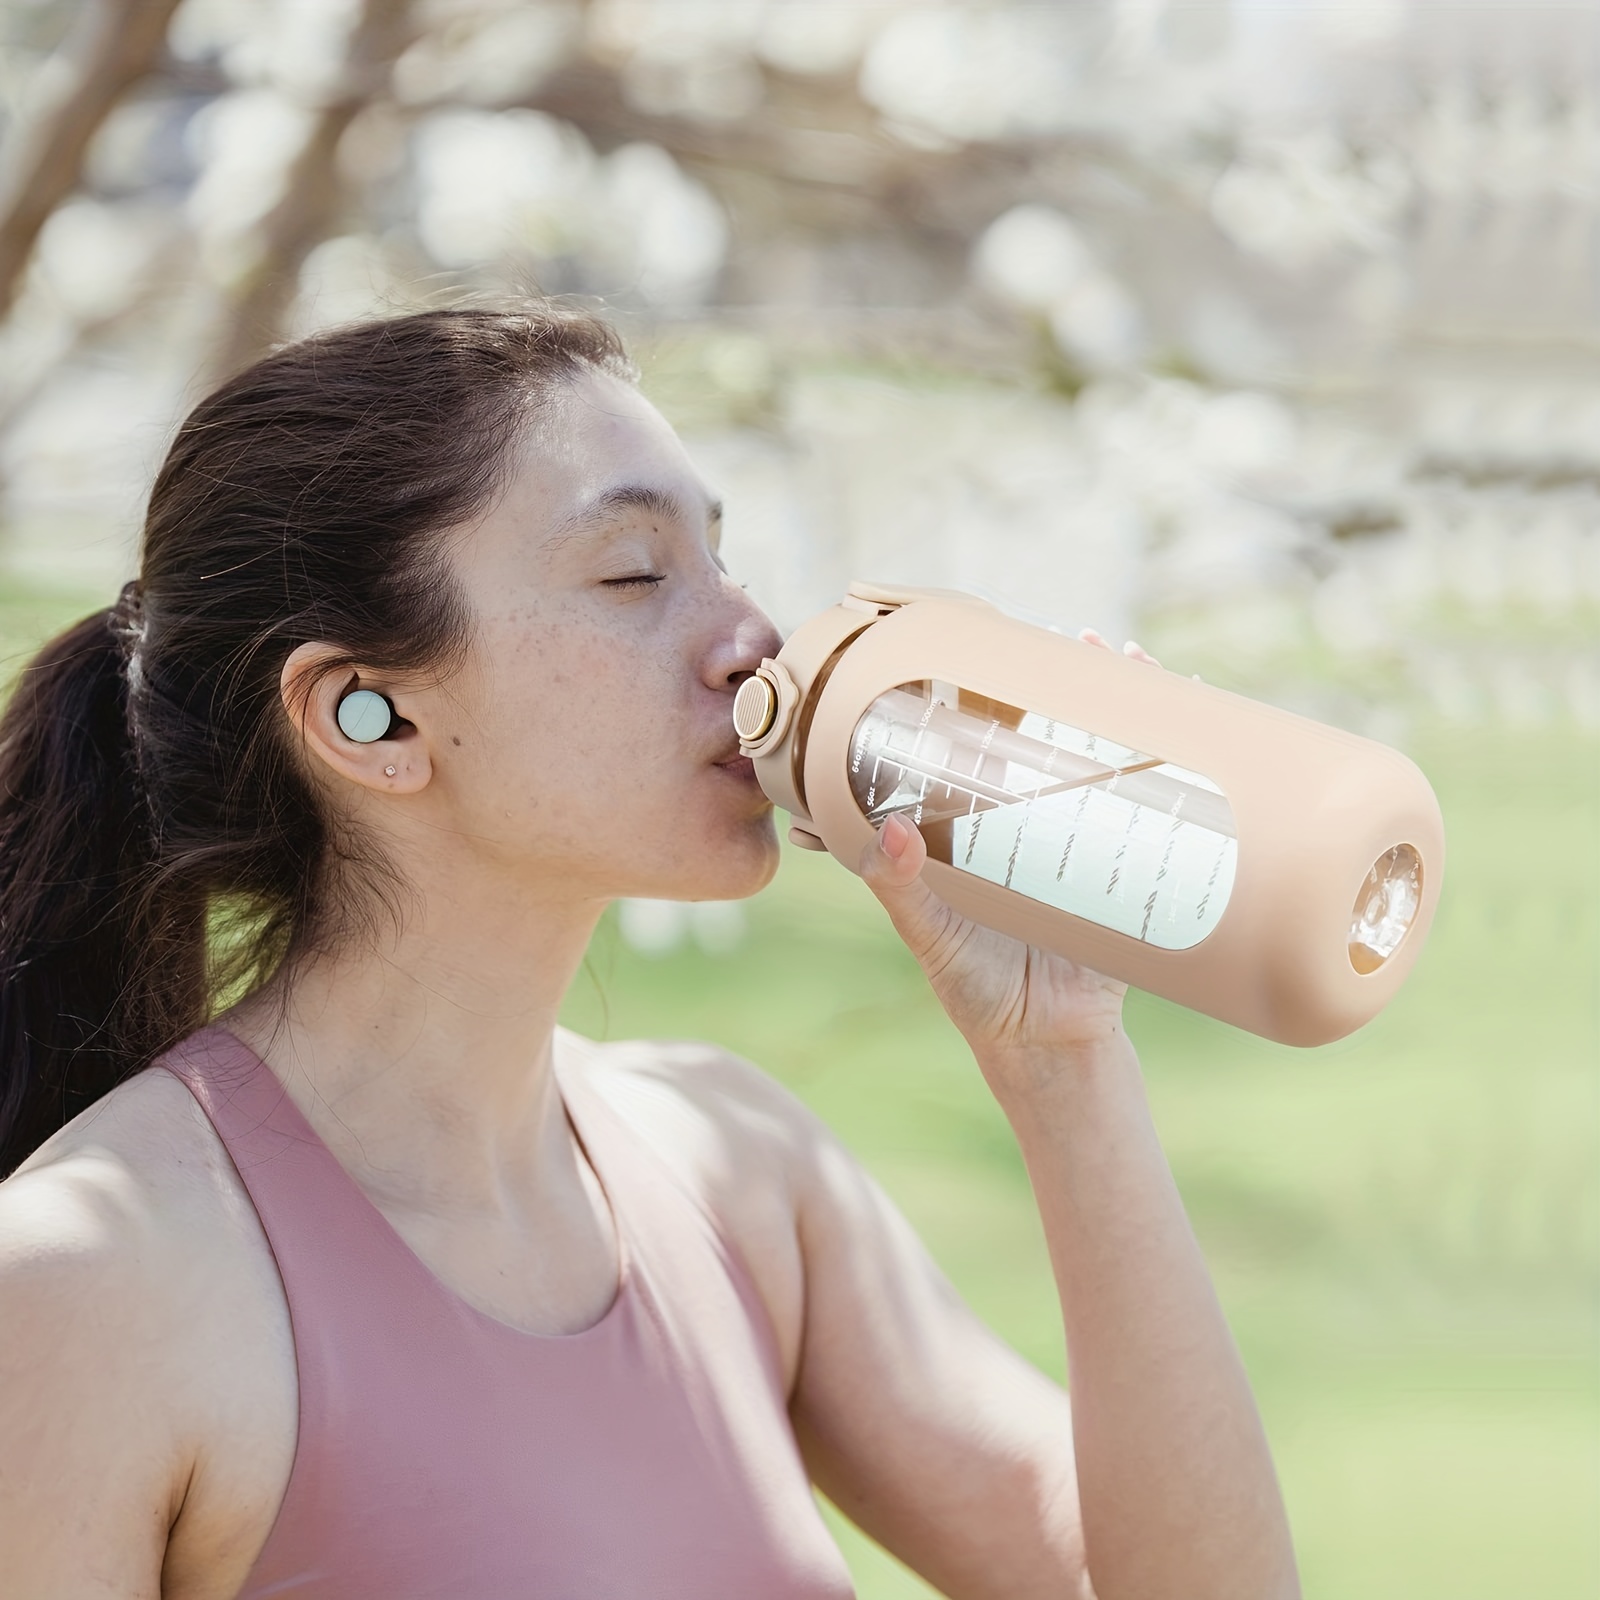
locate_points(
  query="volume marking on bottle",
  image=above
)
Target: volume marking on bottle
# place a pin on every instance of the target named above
(1143, 847)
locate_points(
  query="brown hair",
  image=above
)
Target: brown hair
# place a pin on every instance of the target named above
(158, 842)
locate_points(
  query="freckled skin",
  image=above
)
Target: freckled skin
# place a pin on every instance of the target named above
(599, 711)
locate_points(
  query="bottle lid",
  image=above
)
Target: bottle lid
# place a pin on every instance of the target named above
(754, 707)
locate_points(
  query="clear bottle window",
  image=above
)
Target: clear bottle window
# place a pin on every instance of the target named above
(1119, 837)
(1386, 905)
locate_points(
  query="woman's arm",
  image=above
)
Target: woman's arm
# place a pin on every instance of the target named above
(1173, 1491)
(92, 1472)
(1175, 1481)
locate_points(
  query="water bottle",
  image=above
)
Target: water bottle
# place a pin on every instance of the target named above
(1257, 866)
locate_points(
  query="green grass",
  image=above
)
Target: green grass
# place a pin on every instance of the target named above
(1404, 1226)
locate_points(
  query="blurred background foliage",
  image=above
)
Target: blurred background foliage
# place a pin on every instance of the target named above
(1263, 330)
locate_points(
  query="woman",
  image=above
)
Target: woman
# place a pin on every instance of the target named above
(330, 1265)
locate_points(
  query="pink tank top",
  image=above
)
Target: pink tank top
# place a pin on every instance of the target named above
(443, 1453)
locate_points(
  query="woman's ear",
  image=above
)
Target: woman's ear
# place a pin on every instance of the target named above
(396, 762)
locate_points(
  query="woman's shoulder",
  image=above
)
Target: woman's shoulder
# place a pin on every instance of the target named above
(693, 1085)
(128, 1174)
(87, 1261)
(712, 1114)
(127, 1302)
(134, 1215)
(111, 1187)
(131, 1224)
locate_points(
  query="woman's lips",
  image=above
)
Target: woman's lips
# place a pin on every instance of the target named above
(740, 767)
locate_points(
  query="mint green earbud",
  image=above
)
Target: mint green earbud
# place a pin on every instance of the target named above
(365, 716)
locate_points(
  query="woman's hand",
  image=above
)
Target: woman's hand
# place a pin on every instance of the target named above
(1018, 1006)
(1174, 1486)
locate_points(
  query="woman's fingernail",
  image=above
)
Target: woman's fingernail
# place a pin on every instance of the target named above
(894, 838)
(1131, 648)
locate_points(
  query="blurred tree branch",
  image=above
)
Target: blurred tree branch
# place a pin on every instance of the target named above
(122, 40)
(815, 152)
(21, 390)
(813, 159)
(313, 192)
(821, 187)
(813, 134)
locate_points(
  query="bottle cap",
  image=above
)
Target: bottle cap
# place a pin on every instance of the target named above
(754, 707)
(764, 707)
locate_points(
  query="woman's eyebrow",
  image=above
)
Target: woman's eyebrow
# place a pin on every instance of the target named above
(657, 501)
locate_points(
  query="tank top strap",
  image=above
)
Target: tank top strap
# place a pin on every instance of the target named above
(650, 1193)
(272, 1144)
(668, 1232)
(670, 1228)
(326, 1234)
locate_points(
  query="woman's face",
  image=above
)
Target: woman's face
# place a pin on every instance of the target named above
(588, 747)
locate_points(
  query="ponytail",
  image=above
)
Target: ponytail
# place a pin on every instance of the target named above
(76, 853)
(162, 849)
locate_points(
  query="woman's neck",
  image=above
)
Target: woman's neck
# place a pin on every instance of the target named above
(425, 1063)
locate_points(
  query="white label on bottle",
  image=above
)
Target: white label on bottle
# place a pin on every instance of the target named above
(1067, 817)
(1122, 865)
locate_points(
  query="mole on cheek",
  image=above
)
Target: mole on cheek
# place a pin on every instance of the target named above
(454, 740)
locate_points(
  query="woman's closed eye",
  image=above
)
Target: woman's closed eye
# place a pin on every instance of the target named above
(637, 580)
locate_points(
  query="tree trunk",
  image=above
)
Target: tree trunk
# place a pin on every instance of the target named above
(121, 42)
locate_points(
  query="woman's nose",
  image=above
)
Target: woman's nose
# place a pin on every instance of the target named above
(743, 646)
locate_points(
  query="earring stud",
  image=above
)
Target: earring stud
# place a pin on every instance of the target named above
(388, 772)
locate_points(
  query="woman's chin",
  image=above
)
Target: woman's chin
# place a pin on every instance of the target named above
(744, 862)
(751, 864)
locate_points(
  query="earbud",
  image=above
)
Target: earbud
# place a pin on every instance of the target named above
(365, 716)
